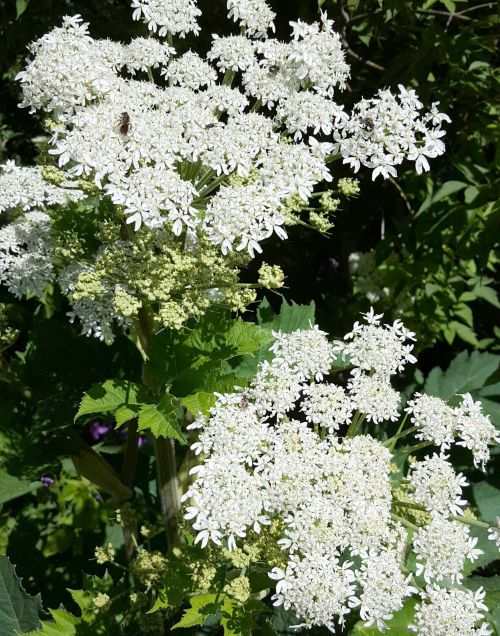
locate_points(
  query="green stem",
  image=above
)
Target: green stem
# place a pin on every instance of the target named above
(391, 442)
(256, 106)
(168, 486)
(407, 504)
(205, 179)
(470, 522)
(354, 426)
(128, 475)
(228, 77)
(404, 521)
(332, 158)
(211, 186)
(166, 469)
(417, 447)
(464, 520)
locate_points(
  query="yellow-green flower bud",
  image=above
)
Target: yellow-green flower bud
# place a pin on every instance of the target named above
(271, 276)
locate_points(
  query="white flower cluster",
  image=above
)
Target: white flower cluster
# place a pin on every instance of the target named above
(441, 424)
(344, 548)
(383, 131)
(25, 189)
(165, 154)
(453, 612)
(26, 254)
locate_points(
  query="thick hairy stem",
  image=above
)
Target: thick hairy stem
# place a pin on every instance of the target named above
(128, 475)
(168, 486)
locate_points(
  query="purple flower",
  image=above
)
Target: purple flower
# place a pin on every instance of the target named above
(47, 481)
(142, 440)
(97, 430)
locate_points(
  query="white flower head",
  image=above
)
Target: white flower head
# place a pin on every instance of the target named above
(435, 485)
(441, 548)
(255, 16)
(451, 612)
(382, 349)
(436, 420)
(476, 430)
(175, 17)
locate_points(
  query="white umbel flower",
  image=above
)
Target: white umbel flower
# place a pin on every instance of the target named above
(381, 132)
(375, 398)
(190, 71)
(175, 17)
(142, 54)
(453, 612)
(25, 188)
(255, 16)
(327, 405)
(316, 57)
(382, 349)
(241, 217)
(435, 485)
(67, 71)
(307, 351)
(384, 587)
(225, 501)
(27, 254)
(318, 587)
(442, 547)
(476, 430)
(233, 53)
(436, 421)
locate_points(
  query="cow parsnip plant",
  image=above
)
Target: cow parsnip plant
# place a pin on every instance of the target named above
(162, 176)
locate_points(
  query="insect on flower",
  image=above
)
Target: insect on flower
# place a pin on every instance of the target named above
(123, 124)
(244, 402)
(369, 123)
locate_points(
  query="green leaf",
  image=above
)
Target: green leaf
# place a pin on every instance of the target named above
(19, 612)
(110, 396)
(12, 487)
(238, 619)
(124, 414)
(21, 6)
(176, 585)
(466, 373)
(64, 624)
(397, 626)
(465, 333)
(290, 318)
(488, 294)
(161, 419)
(487, 499)
(200, 402)
(201, 608)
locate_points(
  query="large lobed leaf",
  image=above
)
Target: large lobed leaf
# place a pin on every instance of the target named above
(19, 612)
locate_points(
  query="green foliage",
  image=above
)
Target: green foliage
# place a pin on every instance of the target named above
(473, 373)
(432, 238)
(201, 607)
(63, 624)
(110, 396)
(161, 419)
(19, 612)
